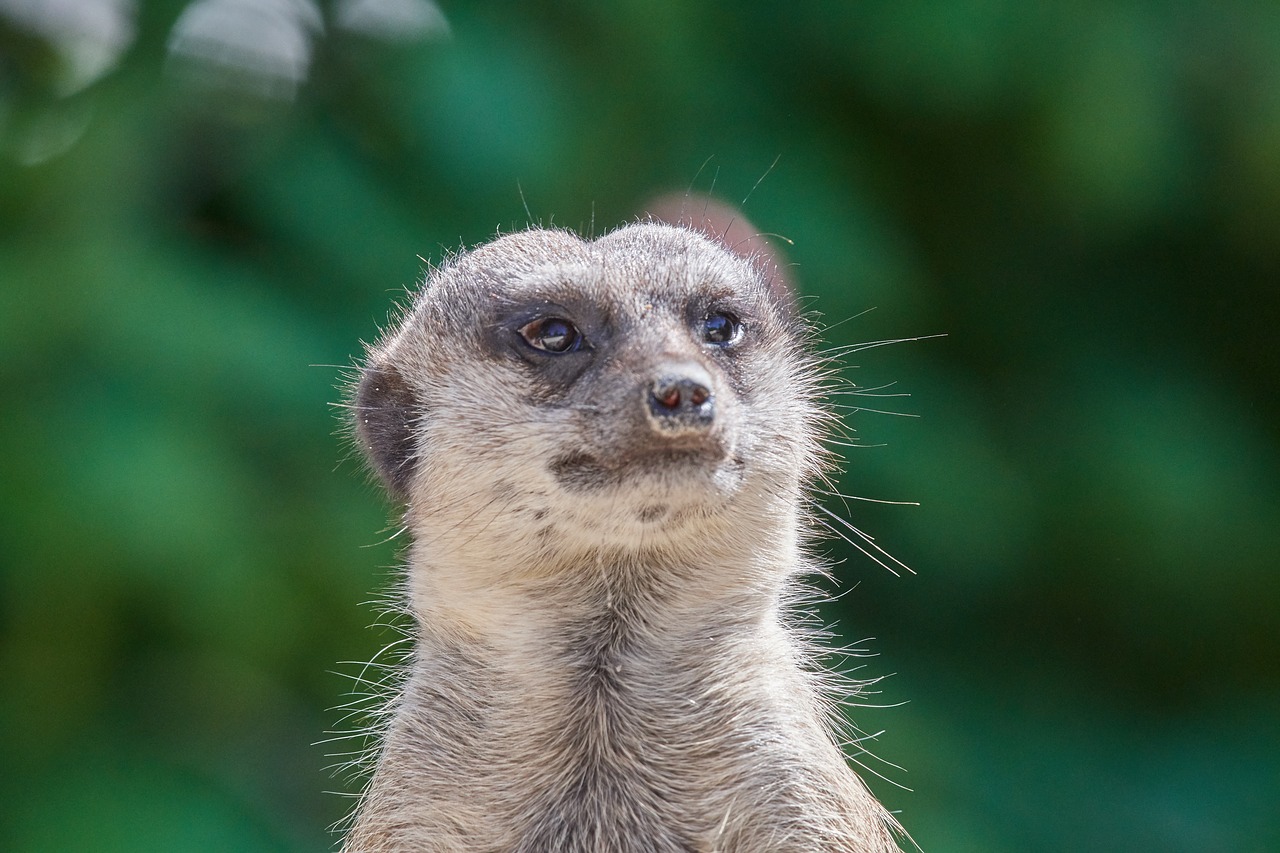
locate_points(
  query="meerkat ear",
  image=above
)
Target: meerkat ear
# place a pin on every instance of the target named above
(385, 409)
(725, 224)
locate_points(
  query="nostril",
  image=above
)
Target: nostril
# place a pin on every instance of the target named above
(676, 395)
(667, 395)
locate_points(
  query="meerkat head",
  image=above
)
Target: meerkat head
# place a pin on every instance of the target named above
(629, 391)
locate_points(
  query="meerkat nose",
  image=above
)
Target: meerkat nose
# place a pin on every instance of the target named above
(680, 399)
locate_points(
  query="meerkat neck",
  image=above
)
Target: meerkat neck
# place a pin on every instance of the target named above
(655, 599)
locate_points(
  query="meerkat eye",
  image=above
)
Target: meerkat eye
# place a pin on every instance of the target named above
(721, 328)
(552, 334)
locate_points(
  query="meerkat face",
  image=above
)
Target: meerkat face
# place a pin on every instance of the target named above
(607, 392)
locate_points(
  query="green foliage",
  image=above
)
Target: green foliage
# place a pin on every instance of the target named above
(1085, 198)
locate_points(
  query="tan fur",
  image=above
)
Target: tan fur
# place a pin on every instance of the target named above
(605, 657)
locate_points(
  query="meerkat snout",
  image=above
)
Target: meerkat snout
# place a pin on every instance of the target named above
(681, 399)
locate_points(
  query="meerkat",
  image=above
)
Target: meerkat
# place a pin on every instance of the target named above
(602, 449)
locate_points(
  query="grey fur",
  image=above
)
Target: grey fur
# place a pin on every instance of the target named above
(605, 657)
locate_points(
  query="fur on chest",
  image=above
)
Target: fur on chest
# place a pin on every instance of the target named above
(613, 743)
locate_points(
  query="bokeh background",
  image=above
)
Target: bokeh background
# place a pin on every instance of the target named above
(205, 206)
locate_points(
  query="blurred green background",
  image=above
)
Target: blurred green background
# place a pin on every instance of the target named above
(206, 205)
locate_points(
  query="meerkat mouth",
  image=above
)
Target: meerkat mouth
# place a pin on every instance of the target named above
(580, 471)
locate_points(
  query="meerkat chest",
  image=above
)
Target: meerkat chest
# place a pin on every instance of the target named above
(607, 744)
